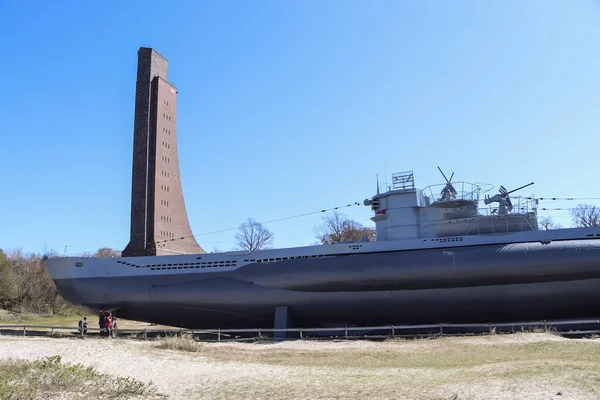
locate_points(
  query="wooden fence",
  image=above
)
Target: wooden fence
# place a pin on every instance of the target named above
(584, 327)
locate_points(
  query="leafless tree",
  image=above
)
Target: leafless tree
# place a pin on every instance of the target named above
(36, 291)
(338, 228)
(547, 223)
(105, 252)
(8, 288)
(586, 215)
(26, 286)
(252, 235)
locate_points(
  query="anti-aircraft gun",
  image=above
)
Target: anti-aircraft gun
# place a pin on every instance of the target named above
(503, 198)
(448, 192)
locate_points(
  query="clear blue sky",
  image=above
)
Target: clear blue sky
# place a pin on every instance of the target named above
(290, 107)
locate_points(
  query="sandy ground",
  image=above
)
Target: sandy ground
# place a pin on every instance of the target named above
(201, 375)
(177, 374)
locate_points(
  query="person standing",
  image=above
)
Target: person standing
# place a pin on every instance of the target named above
(83, 326)
(102, 323)
(109, 325)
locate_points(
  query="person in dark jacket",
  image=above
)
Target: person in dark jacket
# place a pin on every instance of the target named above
(102, 323)
(83, 326)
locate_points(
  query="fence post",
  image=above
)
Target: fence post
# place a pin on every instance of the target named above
(218, 334)
(393, 332)
(346, 332)
(145, 334)
(24, 331)
(300, 333)
(441, 330)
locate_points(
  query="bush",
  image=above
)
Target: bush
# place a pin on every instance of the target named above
(182, 343)
(20, 379)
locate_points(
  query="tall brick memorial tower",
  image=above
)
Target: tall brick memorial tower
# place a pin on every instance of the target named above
(159, 222)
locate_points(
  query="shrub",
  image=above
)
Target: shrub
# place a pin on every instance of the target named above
(182, 343)
(21, 379)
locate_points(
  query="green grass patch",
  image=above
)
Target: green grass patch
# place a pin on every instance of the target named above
(40, 320)
(20, 380)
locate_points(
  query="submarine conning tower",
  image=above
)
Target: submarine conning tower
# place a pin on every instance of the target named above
(448, 209)
(397, 211)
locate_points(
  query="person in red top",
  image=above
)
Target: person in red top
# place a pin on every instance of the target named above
(109, 325)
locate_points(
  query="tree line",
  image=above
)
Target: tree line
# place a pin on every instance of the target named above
(26, 285)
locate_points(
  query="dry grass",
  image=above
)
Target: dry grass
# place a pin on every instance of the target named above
(60, 334)
(181, 343)
(441, 353)
(519, 366)
(7, 318)
(502, 366)
(50, 377)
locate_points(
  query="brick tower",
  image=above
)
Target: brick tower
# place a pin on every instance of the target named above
(159, 222)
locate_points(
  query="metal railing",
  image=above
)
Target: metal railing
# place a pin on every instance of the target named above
(521, 205)
(583, 327)
(464, 191)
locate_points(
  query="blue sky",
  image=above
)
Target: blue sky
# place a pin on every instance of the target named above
(286, 108)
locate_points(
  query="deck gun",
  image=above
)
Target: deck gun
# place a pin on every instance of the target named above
(448, 192)
(503, 199)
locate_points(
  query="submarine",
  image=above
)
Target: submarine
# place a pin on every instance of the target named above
(439, 256)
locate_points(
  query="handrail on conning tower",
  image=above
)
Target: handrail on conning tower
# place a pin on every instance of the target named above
(403, 180)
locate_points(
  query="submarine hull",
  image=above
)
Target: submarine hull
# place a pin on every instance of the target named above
(488, 283)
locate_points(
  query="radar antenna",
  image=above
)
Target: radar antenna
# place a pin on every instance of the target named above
(503, 199)
(448, 192)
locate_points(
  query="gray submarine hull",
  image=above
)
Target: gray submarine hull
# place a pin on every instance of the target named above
(471, 284)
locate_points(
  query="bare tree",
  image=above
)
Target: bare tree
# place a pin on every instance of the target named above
(105, 252)
(36, 290)
(252, 235)
(26, 286)
(338, 228)
(586, 215)
(8, 288)
(547, 223)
